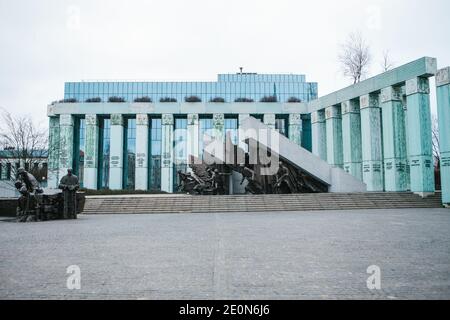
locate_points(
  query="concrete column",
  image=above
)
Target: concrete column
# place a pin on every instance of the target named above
(371, 142)
(319, 134)
(91, 152)
(66, 123)
(53, 153)
(351, 138)
(141, 178)
(116, 158)
(167, 153)
(443, 109)
(295, 128)
(420, 149)
(333, 123)
(219, 126)
(269, 120)
(242, 118)
(394, 140)
(408, 167)
(192, 136)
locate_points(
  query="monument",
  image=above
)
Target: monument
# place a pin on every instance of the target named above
(35, 204)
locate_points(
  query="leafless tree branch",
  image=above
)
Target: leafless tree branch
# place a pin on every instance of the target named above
(355, 57)
(25, 142)
(387, 64)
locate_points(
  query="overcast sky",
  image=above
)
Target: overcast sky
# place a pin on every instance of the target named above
(44, 43)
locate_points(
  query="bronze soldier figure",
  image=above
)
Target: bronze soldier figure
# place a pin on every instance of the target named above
(69, 184)
(28, 203)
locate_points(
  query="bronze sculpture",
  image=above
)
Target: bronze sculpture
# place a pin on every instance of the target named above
(28, 202)
(209, 179)
(36, 205)
(69, 185)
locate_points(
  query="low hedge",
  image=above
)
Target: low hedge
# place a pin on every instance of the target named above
(167, 99)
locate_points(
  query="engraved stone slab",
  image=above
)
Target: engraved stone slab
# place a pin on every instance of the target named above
(443, 77)
(140, 160)
(349, 107)
(142, 119)
(369, 101)
(332, 112)
(295, 119)
(66, 120)
(391, 94)
(317, 116)
(218, 119)
(116, 119)
(91, 119)
(192, 119)
(417, 85)
(167, 119)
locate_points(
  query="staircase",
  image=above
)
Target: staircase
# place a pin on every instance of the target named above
(255, 203)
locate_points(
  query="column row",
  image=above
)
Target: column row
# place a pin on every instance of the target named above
(107, 136)
(378, 136)
(443, 109)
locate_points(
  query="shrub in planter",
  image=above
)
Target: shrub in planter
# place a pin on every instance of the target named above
(217, 100)
(108, 192)
(269, 99)
(243, 100)
(294, 100)
(192, 99)
(70, 100)
(97, 99)
(116, 99)
(143, 99)
(167, 99)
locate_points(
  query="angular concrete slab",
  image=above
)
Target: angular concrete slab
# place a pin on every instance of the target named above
(337, 179)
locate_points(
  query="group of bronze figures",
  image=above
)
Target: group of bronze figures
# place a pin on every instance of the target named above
(214, 180)
(36, 205)
(217, 179)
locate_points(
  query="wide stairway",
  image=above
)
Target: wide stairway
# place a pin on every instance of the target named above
(256, 203)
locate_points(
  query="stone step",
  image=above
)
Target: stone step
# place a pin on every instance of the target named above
(257, 203)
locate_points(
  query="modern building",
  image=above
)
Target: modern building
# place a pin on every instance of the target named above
(378, 130)
(228, 86)
(107, 170)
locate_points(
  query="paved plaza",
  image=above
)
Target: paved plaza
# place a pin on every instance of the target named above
(287, 255)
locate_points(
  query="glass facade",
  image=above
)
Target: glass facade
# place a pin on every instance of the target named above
(306, 133)
(129, 165)
(104, 152)
(228, 87)
(282, 125)
(155, 138)
(231, 128)
(205, 128)
(180, 149)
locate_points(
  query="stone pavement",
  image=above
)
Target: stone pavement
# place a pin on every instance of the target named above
(283, 255)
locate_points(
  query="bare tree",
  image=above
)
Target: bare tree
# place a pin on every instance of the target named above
(355, 57)
(386, 64)
(24, 143)
(435, 139)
